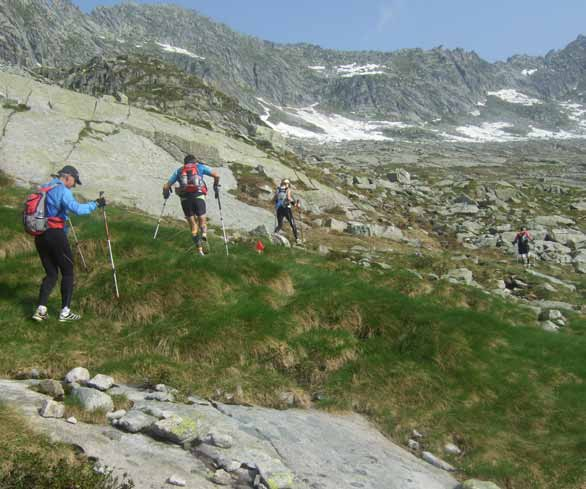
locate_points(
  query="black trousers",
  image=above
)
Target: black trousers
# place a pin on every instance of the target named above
(55, 254)
(286, 213)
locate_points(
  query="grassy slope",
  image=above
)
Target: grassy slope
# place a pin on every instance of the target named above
(451, 362)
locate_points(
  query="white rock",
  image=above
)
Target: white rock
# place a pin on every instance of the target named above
(71, 420)
(176, 481)
(77, 375)
(413, 445)
(116, 414)
(93, 400)
(452, 449)
(101, 382)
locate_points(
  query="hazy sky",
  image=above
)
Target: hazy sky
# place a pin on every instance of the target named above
(495, 29)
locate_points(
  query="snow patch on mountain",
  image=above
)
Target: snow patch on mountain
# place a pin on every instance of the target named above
(486, 132)
(174, 49)
(334, 127)
(317, 68)
(528, 72)
(514, 97)
(575, 112)
(353, 69)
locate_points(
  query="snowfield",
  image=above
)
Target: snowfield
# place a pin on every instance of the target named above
(347, 71)
(513, 97)
(336, 128)
(173, 49)
(528, 72)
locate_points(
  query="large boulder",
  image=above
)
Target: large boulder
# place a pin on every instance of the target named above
(554, 220)
(335, 225)
(135, 421)
(460, 275)
(92, 400)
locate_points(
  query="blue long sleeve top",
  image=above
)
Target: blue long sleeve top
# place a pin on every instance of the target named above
(60, 201)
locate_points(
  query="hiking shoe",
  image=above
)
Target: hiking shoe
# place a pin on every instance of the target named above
(39, 316)
(200, 252)
(70, 316)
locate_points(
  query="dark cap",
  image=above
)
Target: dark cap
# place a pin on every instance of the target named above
(71, 171)
(189, 159)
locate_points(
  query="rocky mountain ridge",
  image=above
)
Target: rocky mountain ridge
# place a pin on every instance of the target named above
(411, 86)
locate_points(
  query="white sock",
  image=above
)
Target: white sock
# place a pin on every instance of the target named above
(65, 311)
(42, 309)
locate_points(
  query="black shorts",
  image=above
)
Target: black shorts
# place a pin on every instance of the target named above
(193, 206)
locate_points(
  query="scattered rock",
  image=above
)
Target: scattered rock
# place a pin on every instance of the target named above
(280, 240)
(52, 409)
(437, 462)
(71, 420)
(413, 445)
(135, 421)
(335, 225)
(400, 176)
(176, 429)
(460, 275)
(160, 396)
(116, 414)
(78, 375)
(92, 400)
(51, 388)
(220, 440)
(550, 327)
(176, 481)
(101, 382)
(452, 449)
(222, 478)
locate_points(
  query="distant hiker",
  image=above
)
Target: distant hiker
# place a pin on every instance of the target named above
(522, 239)
(284, 207)
(192, 191)
(50, 206)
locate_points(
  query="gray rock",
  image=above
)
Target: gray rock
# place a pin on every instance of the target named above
(553, 280)
(220, 440)
(550, 315)
(580, 268)
(92, 400)
(51, 388)
(413, 445)
(116, 414)
(52, 409)
(71, 420)
(579, 206)
(160, 396)
(280, 240)
(335, 225)
(437, 462)
(460, 275)
(358, 229)
(222, 478)
(77, 375)
(176, 429)
(477, 484)
(135, 421)
(550, 327)
(101, 382)
(553, 220)
(400, 176)
(161, 388)
(323, 250)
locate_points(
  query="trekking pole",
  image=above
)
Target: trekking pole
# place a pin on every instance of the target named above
(222, 221)
(110, 249)
(300, 221)
(77, 244)
(160, 217)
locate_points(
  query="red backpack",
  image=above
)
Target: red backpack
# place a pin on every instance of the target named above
(191, 181)
(35, 218)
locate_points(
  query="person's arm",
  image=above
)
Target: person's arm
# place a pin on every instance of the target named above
(68, 201)
(516, 238)
(172, 179)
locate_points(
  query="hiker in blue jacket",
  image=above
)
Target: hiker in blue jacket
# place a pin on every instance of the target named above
(53, 247)
(192, 191)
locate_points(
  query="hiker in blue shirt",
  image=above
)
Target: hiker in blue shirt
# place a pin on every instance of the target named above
(53, 247)
(192, 191)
